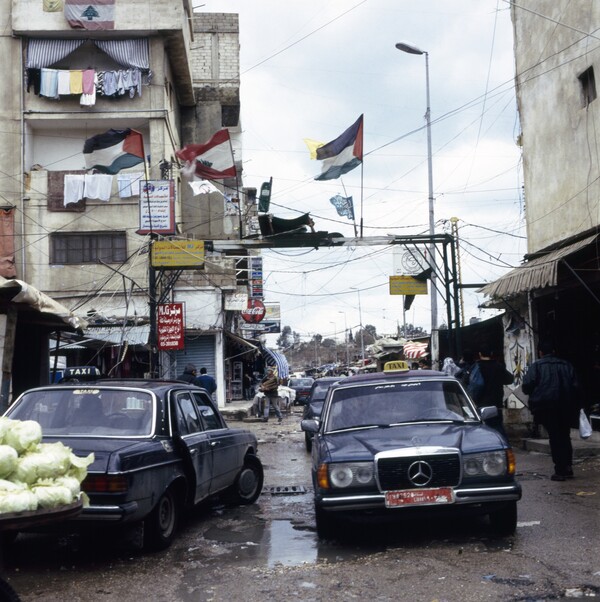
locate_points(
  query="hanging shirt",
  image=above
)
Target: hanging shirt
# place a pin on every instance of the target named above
(89, 100)
(129, 184)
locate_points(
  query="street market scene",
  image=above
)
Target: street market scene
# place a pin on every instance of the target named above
(300, 300)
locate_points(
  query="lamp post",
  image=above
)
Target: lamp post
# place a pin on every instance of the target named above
(404, 47)
(362, 336)
(346, 338)
(335, 341)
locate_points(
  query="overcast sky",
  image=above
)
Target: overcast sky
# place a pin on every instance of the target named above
(308, 70)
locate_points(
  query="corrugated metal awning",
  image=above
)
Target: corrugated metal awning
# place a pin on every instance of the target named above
(18, 291)
(117, 335)
(538, 273)
(240, 340)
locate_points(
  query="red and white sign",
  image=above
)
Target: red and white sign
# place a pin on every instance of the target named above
(170, 326)
(255, 311)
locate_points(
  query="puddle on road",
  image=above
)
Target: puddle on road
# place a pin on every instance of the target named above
(278, 542)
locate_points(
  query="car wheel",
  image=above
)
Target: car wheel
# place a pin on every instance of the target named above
(248, 484)
(161, 524)
(504, 521)
(325, 524)
(308, 442)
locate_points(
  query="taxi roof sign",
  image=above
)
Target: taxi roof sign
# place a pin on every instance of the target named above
(396, 366)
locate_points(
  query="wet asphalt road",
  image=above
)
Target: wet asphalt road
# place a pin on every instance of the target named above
(270, 550)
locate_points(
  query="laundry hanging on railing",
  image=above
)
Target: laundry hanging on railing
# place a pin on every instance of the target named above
(54, 83)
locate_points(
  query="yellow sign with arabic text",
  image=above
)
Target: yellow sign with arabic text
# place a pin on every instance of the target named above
(177, 254)
(407, 285)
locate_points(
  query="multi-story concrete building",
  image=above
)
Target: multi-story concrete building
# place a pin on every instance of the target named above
(167, 73)
(557, 290)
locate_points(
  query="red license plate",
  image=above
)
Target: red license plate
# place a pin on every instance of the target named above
(419, 497)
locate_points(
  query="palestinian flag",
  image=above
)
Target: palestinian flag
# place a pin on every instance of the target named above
(114, 150)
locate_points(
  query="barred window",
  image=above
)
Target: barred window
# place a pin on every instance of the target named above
(91, 247)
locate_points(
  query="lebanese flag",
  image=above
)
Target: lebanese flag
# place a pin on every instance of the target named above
(114, 150)
(94, 14)
(212, 160)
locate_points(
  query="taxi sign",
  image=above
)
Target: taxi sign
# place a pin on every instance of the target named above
(396, 366)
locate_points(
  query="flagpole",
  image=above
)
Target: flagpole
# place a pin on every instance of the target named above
(237, 187)
(361, 197)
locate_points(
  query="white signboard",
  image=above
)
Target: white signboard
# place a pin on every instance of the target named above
(157, 207)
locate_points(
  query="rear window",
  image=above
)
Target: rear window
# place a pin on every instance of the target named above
(88, 411)
(301, 382)
(396, 403)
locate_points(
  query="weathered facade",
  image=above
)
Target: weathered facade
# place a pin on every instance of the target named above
(557, 290)
(86, 252)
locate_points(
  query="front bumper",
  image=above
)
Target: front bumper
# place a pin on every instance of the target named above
(475, 496)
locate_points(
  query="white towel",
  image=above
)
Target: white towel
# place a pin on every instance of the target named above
(64, 82)
(73, 188)
(98, 186)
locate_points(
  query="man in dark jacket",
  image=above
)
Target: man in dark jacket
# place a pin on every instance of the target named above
(495, 376)
(206, 381)
(552, 387)
(269, 385)
(189, 374)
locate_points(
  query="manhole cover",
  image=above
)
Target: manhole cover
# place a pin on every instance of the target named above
(290, 490)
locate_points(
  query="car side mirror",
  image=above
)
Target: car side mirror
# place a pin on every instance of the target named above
(488, 413)
(309, 425)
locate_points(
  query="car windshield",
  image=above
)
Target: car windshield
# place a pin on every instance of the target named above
(384, 404)
(88, 411)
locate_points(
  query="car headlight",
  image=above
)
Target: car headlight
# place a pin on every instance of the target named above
(491, 464)
(349, 474)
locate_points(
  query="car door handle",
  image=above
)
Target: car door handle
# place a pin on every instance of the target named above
(214, 443)
(194, 452)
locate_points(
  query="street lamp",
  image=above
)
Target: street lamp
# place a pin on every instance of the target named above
(408, 48)
(335, 340)
(346, 338)
(362, 336)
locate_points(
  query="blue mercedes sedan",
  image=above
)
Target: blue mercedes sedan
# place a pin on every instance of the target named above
(408, 444)
(160, 447)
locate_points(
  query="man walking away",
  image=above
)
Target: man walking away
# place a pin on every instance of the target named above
(270, 387)
(552, 387)
(491, 390)
(206, 381)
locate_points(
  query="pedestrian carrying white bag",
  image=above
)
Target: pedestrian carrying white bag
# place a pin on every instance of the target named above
(585, 428)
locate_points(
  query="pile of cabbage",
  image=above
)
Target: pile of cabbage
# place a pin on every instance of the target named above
(36, 475)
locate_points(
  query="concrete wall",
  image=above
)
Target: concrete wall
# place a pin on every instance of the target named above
(560, 151)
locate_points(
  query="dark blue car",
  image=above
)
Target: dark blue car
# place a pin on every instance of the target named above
(160, 447)
(409, 443)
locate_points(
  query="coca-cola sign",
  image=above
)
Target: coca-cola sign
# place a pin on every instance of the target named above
(255, 311)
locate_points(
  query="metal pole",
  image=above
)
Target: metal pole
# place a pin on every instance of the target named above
(362, 336)
(410, 49)
(346, 338)
(432, 259)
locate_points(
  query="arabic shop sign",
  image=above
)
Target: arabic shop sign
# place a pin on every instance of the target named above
(170, 326)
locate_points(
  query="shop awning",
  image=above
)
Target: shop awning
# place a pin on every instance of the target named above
(538, 273)
(19, 292)
(273, 358)
(242, 341)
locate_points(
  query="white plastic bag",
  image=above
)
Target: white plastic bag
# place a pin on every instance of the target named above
(585, 428)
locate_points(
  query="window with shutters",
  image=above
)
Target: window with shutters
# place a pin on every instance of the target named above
(91, 247)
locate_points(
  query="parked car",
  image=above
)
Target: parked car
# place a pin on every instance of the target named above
(302, 387)
(314, 404)
(160, 447)
(409, 444)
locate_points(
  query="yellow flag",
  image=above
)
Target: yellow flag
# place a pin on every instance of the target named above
(52, 6)
(313, 145)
